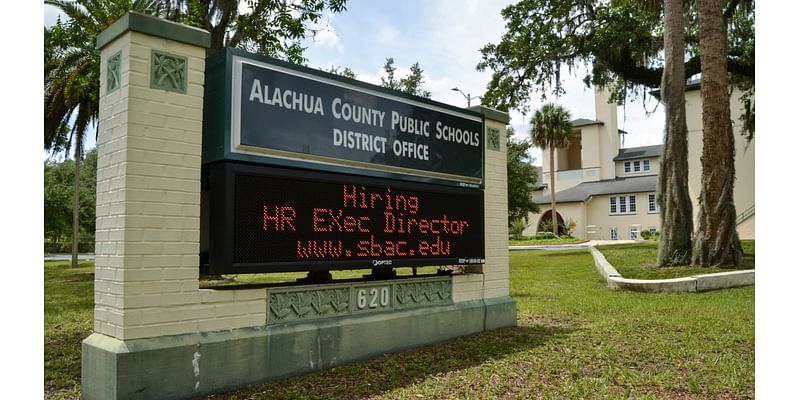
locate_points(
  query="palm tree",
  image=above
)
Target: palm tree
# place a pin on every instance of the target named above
(551, 128)
(716, 241)
(72, 78)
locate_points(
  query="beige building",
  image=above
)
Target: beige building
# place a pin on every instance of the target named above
(609, 192)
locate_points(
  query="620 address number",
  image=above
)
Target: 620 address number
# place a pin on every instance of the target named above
(372, 298)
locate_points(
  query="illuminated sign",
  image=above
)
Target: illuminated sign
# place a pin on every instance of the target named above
(266, 219)
(272, 112)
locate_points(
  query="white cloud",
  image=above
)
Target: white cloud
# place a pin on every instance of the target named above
(327, 37)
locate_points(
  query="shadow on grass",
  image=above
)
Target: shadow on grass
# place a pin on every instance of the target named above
(397, 370)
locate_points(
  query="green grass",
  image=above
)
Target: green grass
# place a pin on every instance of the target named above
(574, 339)
(638, 260)
(68, 319)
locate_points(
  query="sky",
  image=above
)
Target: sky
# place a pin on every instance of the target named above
(445, 37)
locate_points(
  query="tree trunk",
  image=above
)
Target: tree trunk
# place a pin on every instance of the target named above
(716, 241)
(553, 190)
(76, 205)
(675, 243)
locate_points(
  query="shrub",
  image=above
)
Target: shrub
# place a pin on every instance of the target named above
(545, 235)
(516, 227)
(645, 235)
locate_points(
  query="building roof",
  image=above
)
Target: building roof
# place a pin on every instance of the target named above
(639, 152)
(583, 122)
(585, 190)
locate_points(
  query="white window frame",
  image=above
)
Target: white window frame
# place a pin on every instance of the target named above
(652, 204)
(613, 234)
(637, 166)
(627, 166)
(646, 165)
(633, 233)
(624, 204)
(653, 230)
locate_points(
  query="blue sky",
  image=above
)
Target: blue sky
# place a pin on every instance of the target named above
(444, 36)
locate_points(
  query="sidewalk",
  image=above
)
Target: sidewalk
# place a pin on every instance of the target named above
(68, 257)
(582, 245)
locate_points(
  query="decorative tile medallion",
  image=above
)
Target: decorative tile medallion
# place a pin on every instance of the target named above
(113, 66)
(168, 72)
(343, 299)
(492, 139)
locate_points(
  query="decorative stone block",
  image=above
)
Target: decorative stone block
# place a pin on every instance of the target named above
(492, 139)
(332, 300)
(113, 75)
(168, 71)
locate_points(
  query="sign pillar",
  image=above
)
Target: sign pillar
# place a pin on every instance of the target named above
(156, 333)
(489, 282)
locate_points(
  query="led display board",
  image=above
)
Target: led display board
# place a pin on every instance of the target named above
(267, 111)
(268, 219)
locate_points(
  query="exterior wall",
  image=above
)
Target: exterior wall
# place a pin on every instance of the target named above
(590, 144)
(598, 214)
(609, 135)
(655, 167)
(148, 204)
(744, 187)
(495, 269)
(594, 216)
(567, 211)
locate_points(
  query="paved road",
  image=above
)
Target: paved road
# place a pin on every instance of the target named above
(67, 257)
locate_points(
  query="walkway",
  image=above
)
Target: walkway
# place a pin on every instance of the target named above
(693, 284)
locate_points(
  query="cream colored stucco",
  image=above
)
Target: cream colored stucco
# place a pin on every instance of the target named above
(599, 148)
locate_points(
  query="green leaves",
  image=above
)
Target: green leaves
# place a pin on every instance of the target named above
(522, 178)
(621, 40)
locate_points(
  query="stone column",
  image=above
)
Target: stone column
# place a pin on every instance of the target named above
(148, 210)
(490, 281)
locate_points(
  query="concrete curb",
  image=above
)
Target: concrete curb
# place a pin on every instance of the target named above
(690, 284)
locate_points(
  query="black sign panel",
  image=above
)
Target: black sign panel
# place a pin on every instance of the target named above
(265, 219)
(284, 112)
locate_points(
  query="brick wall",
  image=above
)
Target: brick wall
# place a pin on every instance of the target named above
(148, 205)
(490, 280)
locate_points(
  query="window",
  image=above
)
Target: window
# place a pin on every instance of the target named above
(612, 234)
(653, 230)
(652, 207)
(646, 165)
(625, 204)
(636, 166)
(627, 166)
(634, 233)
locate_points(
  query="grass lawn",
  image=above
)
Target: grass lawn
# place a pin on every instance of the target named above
(574, 339)
(637, 261)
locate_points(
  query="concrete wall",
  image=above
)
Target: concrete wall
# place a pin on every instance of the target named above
(655, 167)
(598, 212)
(609, 134)
(494, 279)
(148, 204)
(744, 187)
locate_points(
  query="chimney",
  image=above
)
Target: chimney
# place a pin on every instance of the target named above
(605, 111)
